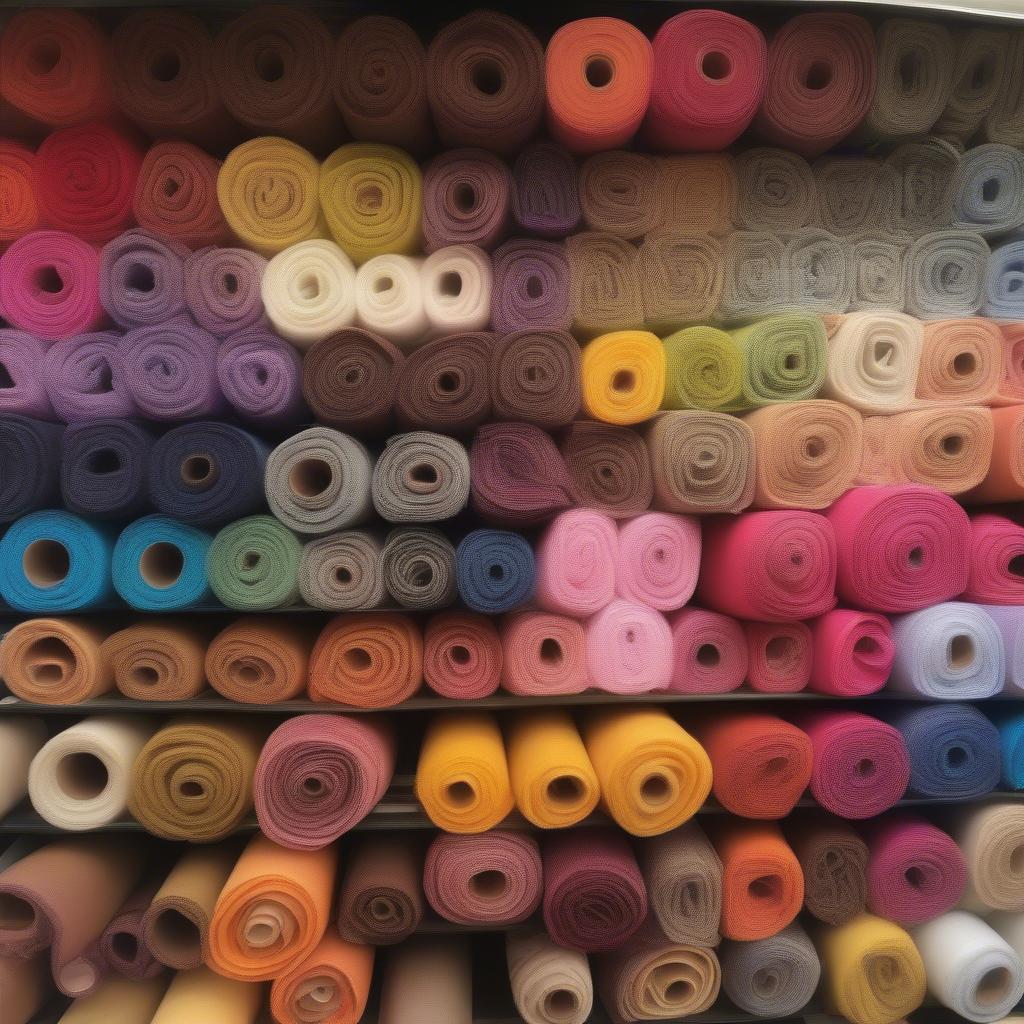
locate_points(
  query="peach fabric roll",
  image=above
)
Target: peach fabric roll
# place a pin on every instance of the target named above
(330, 986)
(1004, 480)
(25, 983)
(159, 659)
(961, 362)
(544, 654)
(260, 660)
(55, 661)
(1011, 381)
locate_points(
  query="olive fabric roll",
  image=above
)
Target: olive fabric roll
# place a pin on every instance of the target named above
(681, 278)
(28, 442)
(84, 378)
(256, 660)
(253, 564)
(548, 983)
(834, 859)
(418, 566)
(380, 900)
(260, 375)
(531, 286)
(462, 655)
(421, 477)
(342, 571)
(606, 293)
(772, 977)
(545, 197)
(142, 279)
(609, 468)
(466, 200)
(160, 660)
(222, 289)
(495, 571)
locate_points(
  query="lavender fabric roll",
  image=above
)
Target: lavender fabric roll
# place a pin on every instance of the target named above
(104, 469)
(85, 380)
(531, 286)
(142, 279)
(21, 355)
(222, 289)
(545, 191)
(467, 200)
(260, 375)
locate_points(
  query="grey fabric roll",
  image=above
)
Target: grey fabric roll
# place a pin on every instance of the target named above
(946, 275)
(855, 194)
(318, 481)
(681, 279)
(342, 572)
(988, 190)
(818, 271)
(880, 270)
(419, 568)
(773, 977)
(755, 274)
(978, 71)
(924, 191)
(1005, 121)
(421, 477)
(776, 190)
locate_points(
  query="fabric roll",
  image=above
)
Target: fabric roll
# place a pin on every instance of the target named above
(606, 292)
(457, 283)
(1000, 288)
(84, 378)
(704, 370)
(961, 362)
(318, 776)
(996, 543)
(780, 656)
(531, 286)
(370, 660)
(548, 983)
(987, 190)
(784, 359)
(755, 275)
(709, 654)
(462, 776)
(900, 548)
(1011, 384)
(162, 659)
(1004, 480)
(658, 560)
(428, 981)
(629, 649)
(123, 943)
(701, 193)
(853, 653)
(260, 375)
(855, 194)
(444, 384)
(1011, 736)
(861, 765)
(623, 377)
(18, 177)
(620, 193)
(421, 477)
(332, 984)
(979, 67)
(28, 442)
(418, 566)
(1009, 621)
(682, 277)
(192, 780)
(880, 270)
(834, 859)
(118, 999)
(466, 200)
(609, 468)
(819, 271)
(495, 571)
(389, 298)
(22, 739)
(990, 836)
(381, 895)
(576, 562)
(203, 991)
(544, 654)
(462, 655)
(21, 355)
(925, 197)
(1003, 123)
(545, 196)
(222, 289)
(379, 83)
(342, 571)
(255, 660)
(535, 377)
(253, 564)
(947, 275)
(772, 977)
(777, 190)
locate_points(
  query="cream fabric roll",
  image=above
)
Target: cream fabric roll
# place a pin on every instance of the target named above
(457, 283)
(389, 299)
(118, 1000)
(991, 838)
(309, 291)
(81, 779)
(20, 740)
(550, 984)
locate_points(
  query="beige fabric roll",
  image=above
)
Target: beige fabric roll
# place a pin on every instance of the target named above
(550, 984)
(855, 194)
(681, 279)
(21, 739)
(991, 838)
(700, 193)
(777, 190)
(604, 284)
(755, 275)
(961, 362)
(978, 71)
(118, 1000)
(621, 192)
(200, 996)
(427, 980)
(924, 196)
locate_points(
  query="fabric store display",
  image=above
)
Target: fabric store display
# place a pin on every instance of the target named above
(222, 289)
(260, 376)
(141, 279)
(466, 200)
(20, 741)
(20, 354)
(123, 943)
(18, 178)
(605, 288)
(535, 377)
(543, 655)
(704, 370)
(987, 195)
(389, 298)
(253, 564)
(620, 193)
(623, 377)
(777, 190)
(709, 652)
(259, 661)
(419, 568)
(978, 71)
(1004, 480)
(204, 991)
(162, 660)
(381, 894)
(29, 442)
(426, 981)
(75, 372)
(996, 544)
(990, 836)
(947, 275)
(629, 649)
(780, 656)
(609, 468)
(331, 984)
(853, 653)
(545, 196)
(421, 477)
(772, 977)
(531, 287)
(457, 283)
(682, 277)
(342, 572)
(658, 558)
(833, 858)
(548, 982)
(961, 362)
(462, 655)
(576, 557)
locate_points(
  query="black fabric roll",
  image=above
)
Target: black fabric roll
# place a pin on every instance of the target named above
(29, 465)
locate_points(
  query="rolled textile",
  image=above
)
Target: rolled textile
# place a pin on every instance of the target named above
(780, 656)
(549, 984)
(466, 200)
(1009, 621)
(1000, 287)
(495, 571)
(988, 190)
(1004, 480)
(84, 378)
(700, 193)
(21, 356)
(861, 765)
(853, 653)
(204, 991)
(255, 660)
(915, 870)
(777, 190)
(53, 561)
(531, 287)
(421, 477)
(25, 442)
(370, 660)
(658, 560)
(953, 750)
(925, 171)
(444, 384)
(118, 999)
(1011, 383)
(457, 283)
(18, 180)
(819, 271)
(162, 659)
(350, 381)
(947, 275)
(318, 776)
(772, 977)
(535, 377)
(544, 654)
(855, 194)
(253, 564)
(49, 285)
(709, 653)
(123, 943)
(629, 649)
(222, 289)
(192, 780)
(997, 544)
(171, 370)
(462, 655)
(485, 83)
(623, 376)
(961, 362)
(260, 376)
(429, 981)
(605, 285)
(545, 197)
(389, 298)
(681, 278)
(990, 836)
(833, 858)
(979, 68)
(880, 270)
(1011, 734)
(55, 661)
(900, 548)
(620, 193)
(21, 739)
(380, 900)
(379, 83)
(577, 556)
(207, 473)
(342, 571)
(462, 777)
(331, 985)
(418, 566)
(609, 468)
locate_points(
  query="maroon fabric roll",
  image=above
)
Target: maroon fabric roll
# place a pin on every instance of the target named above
(531, 286)
(545, 191)
(609, 468)
(535, 377)
(467, 200)
(462, 656)
(123, 941)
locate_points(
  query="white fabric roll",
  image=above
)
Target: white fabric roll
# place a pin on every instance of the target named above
(389, 299)
(309, 291)
(21, 738)
(550, 984)
(971, 968)
(1009, 620)
(81, 778)
(457, 283)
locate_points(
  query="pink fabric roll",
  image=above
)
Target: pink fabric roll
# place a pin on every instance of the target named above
(709, 652)
(319, 775)
(22, 356)
(576, 563)
(899, 548)
(996, 566)
(769, 566)
(543, 654)
(779, 656)
(629, 649)
(462, 655)
(658, 560)
(853, 653)
(493, 878)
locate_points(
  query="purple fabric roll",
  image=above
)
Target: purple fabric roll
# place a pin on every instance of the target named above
(22, 390)
(467, 200)
(545, 191)
(222, 289)
(84, 378)
(171, 370)
(531, 286)
(260, 375)
(142, 279)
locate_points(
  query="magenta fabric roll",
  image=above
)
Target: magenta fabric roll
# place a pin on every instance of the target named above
(709, 652)
(629, 649)
(260, 375)
(545, 191)
(915, 870)
(996, 565)
(21, 357)
(594, 893)
(467, 200)
(142, 279)
(531, 286)
(768, 566)
(779, 656)
(318, 776)
(576, 558)
(171, 370)
(543, 655)
(85, 380)
(222, 289)
(493, 878)
(861, 766)
(49, 285)
(853, 653)
(658, 560)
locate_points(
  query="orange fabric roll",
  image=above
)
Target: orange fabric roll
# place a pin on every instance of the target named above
(1004, 480)
(55, 661)
(961, 362)
(329, 987)
(1011, 382)
(159, 659)
(260, 660)
(18, 188)
(369, 659)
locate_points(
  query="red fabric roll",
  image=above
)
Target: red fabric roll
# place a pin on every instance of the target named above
(709, 652)
(779, 657)
(853, 653)
(996, 567)
(710, 73)
(462, 656)
(544, 655)
(18, 189)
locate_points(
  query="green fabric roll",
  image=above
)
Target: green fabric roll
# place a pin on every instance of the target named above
(704, 370)
(253, 564)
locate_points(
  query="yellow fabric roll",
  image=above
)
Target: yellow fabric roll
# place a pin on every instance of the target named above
(871, 971)
(462, 777)
(623, 377)
(653, 774)
(118, 1000)
(198, 996)
(372, 199)
(554, 783)
(267, 190)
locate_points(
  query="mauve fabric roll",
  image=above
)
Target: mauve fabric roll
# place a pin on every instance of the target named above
(418, 566)
(780, 656)
(462, 655)
(467, 198)
(834, 859)
(18, 180)
(658, 560)
(495, 571)
(318, 776)
(535, 376)
(260, 375)
(33, 451)
(773, 977)
(853, 653)
(576, 563)
(84, 378)
(380, 899)
(997, 544)
(531, 286)
(222, 289)
(27, 985)
(421, 477)
(709, 652)
(208, 473)
(123, 943)
(259, 660)
(142, 279)
(545, 196)
(104, 469)
(606, 292)
(550, 984)
(492, 879)
(629, 649)
(620, 193)
(544, 654)
(609, 468)
(342, 571)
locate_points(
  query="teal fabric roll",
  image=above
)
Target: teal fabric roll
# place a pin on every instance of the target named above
(1011, 738)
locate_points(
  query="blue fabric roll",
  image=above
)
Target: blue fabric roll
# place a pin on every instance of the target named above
(1004, 294)
(495, 570)
(53, 561)
(160, 564)
(1011, 738)
(953, 748)
(105, 470)
(30, 453)
(208, 474)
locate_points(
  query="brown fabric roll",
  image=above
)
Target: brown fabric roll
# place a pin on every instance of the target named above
(605, 288)
(467, 200)
(535, 378)
(700, 193)
(834, 861)
(428, 980)
(159, 659)
(25, 985)
(621, 193)
(123, 943)
(609, 468)
(485, 83)
(681, 279)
